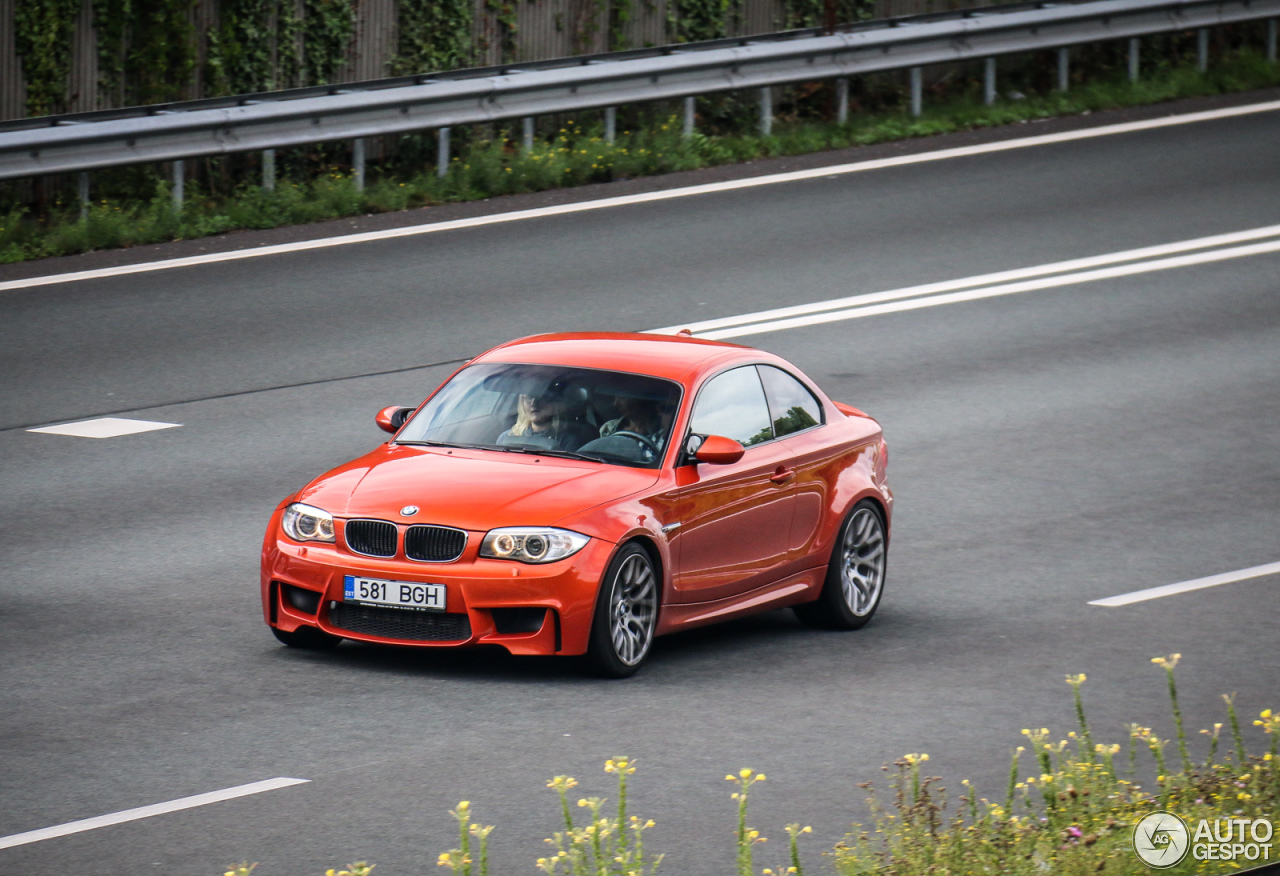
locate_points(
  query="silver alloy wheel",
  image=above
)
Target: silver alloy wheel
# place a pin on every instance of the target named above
(862, 559)
(633, 608)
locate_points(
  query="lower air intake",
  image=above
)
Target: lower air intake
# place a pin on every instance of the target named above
(400, 623)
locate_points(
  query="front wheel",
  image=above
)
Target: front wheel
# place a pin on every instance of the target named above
(626, 614)
(855, 575)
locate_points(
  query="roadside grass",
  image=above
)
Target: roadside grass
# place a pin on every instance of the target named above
(576, 155)
(1076, 809)
(1070, 806)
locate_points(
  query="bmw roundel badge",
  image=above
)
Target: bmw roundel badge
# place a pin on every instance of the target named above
(408, 510)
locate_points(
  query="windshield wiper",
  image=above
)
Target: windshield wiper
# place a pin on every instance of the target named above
(425, 443)
(546, 451)
(509, 448)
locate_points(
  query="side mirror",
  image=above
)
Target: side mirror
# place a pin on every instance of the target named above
(392, 418)
(719, 450)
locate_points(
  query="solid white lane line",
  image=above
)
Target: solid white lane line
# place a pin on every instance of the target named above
(994, 291)
(669, 194)
(35, 836)
(1183, 587)
(698, 328)
(105, 427)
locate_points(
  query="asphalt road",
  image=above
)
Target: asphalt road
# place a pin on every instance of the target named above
(1047, 449)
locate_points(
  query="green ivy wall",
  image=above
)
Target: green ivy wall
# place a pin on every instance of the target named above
(76, 55)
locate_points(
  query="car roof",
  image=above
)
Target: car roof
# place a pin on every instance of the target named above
(675, 357)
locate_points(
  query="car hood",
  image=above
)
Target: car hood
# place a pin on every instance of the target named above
(475, 490)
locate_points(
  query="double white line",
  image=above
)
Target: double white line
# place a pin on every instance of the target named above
(1201, 250)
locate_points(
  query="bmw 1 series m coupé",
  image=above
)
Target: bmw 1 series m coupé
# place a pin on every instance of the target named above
(581, 494)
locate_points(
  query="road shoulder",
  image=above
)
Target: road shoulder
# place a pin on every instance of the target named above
(241, 240)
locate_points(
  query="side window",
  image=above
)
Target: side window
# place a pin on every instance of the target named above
(733, 405)
(792, 406)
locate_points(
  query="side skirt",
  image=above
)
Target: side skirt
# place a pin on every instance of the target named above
(801, 587)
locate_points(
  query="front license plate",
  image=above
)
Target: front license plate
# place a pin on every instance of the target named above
(400, 594)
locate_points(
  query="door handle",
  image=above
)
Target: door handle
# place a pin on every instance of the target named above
(782, 475)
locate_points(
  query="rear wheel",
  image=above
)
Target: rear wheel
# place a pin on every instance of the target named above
(855, 575)
(307, 638)
(626, 614)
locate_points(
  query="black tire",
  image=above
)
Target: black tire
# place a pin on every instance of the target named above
(626, 615)
(307, 638)
(855, 574)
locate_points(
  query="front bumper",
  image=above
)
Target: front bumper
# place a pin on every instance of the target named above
(527, 609)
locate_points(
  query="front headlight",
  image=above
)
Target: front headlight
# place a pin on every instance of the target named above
(307, 523)
(532, 544)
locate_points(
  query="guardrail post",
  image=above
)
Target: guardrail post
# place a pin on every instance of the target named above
(687, 131)
(179, 179)
(917, 92)
(989, 82)
(766, 111)
(1271, 39)
(842, 100)
(1202, 49)
(610, 124)
(1135, 46)
(269, 170)
(357, 162)
(82, 187)
(526, 135)
(1064, 69)
(442, 152)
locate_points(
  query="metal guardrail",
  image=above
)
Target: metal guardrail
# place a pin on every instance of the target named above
(194, 129)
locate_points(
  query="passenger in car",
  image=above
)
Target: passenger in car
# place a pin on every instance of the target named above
(542, 421)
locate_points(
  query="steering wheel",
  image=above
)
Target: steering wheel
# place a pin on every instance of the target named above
(647, 443)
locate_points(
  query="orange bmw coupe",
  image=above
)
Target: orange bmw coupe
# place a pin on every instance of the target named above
(582, 494)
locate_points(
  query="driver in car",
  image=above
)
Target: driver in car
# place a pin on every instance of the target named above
(640, 416)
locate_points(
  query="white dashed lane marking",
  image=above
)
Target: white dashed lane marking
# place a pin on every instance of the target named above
(105, 427)
(44, 833)
(1185, 586)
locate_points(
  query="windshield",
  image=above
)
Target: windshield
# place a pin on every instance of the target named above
(607, 416)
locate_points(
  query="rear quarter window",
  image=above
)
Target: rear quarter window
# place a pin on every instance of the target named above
(792, 407)
(733, 404)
